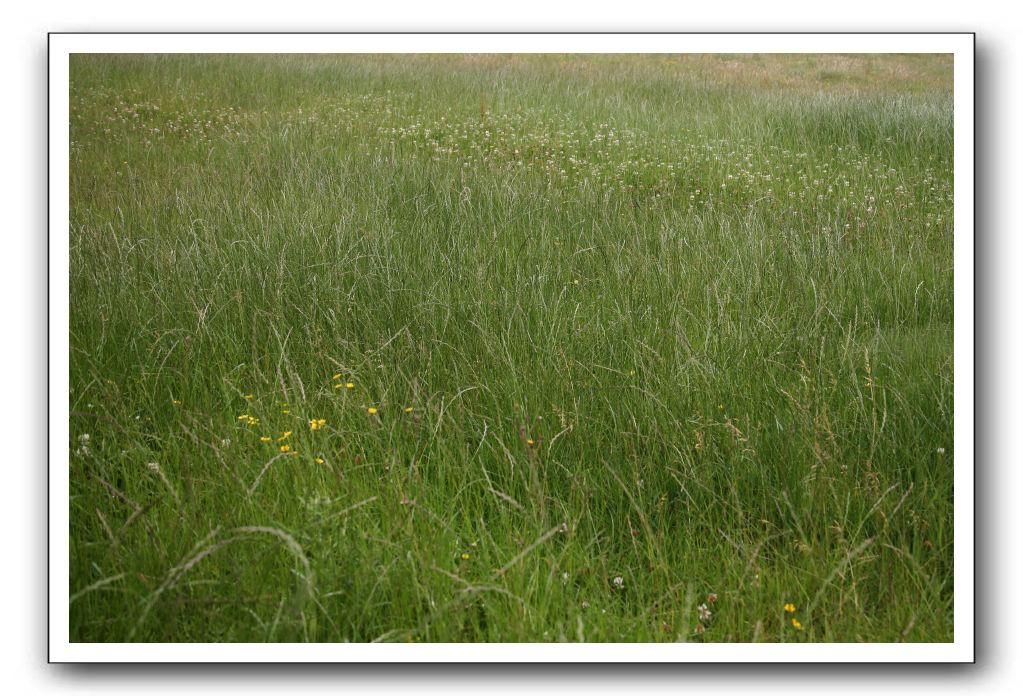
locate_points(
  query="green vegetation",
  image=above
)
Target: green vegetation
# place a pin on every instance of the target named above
(511, 348)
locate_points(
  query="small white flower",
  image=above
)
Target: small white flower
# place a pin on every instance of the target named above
(585, 605)
(703, 612)
(618, 581)
(154, 467)
(564, 577)
(83, 438)
(941, 450)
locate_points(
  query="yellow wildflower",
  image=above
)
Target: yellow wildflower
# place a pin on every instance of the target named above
(249, 397)
(336, 377)
(465, 556)
(284, 436)
(408, 409)
(530, 442)
(265, 438)
(372, 410)
(175, 402)
(790, 608)
(317, 423)
(252, 420)
(796, 625)
(319, 460)
(285, 448)
(349, 385)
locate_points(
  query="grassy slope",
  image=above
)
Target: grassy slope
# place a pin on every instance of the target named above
(714, 292)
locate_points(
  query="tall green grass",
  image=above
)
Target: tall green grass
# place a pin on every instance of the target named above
(653, 351)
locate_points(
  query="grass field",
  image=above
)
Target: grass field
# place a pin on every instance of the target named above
(511, 348)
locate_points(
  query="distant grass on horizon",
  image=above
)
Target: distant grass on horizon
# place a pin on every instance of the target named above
(511, 348)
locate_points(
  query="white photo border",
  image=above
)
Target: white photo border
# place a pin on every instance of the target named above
(62, 45)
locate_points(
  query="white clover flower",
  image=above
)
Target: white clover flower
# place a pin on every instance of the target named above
(618, 582)
(154, 467)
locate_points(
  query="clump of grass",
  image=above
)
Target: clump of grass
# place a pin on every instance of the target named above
(634, 349)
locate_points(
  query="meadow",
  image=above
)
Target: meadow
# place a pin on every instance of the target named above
(511, 348)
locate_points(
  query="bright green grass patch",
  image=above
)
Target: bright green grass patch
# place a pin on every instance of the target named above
(640, 348)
